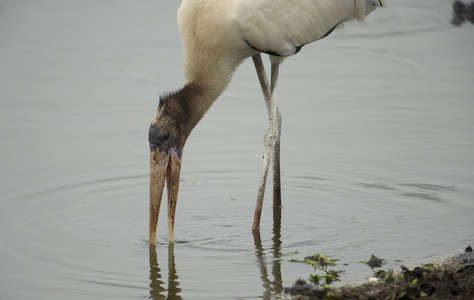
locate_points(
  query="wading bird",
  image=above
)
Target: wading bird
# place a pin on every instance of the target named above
(218, 36)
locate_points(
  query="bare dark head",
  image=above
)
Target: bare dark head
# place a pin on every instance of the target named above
(168, 124)
(169, 129)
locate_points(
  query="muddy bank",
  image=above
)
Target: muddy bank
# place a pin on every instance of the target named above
(452, 278)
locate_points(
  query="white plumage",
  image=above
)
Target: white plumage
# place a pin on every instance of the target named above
(282, 26)
(232, 30)
(217, 36)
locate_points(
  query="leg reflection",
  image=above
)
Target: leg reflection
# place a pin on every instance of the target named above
(157, 291)
(275, 286)
(276, 249)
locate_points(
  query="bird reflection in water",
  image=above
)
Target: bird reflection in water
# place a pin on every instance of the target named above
(156, 285)
(275, 286)
(157, 291)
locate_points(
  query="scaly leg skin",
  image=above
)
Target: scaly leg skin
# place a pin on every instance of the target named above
(263, 179)
(276, 166)
(276, 148)
(259, 67)
(272, 138)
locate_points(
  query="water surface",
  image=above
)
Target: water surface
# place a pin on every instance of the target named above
(377, 154)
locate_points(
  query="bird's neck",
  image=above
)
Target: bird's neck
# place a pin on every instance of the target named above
(194, 100)
(207, 76)
(204, 85)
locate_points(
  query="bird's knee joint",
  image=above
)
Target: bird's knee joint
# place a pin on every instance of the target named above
(270, 139)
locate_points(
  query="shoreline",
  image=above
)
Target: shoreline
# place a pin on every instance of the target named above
(451, 278)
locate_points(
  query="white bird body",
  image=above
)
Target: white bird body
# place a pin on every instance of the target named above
(283, 26)
(218, 35)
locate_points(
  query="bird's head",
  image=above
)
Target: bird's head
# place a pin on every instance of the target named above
(166, 129)
(169, 129)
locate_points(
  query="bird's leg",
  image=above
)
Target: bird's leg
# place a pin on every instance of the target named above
(262, 76)
(272, 138)
(276, 146)
(257, 59)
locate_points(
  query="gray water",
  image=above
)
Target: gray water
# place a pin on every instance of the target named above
(377, 154)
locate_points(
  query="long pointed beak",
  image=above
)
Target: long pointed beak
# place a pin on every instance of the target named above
(158, 168)
(172, 182)
(164, 165)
